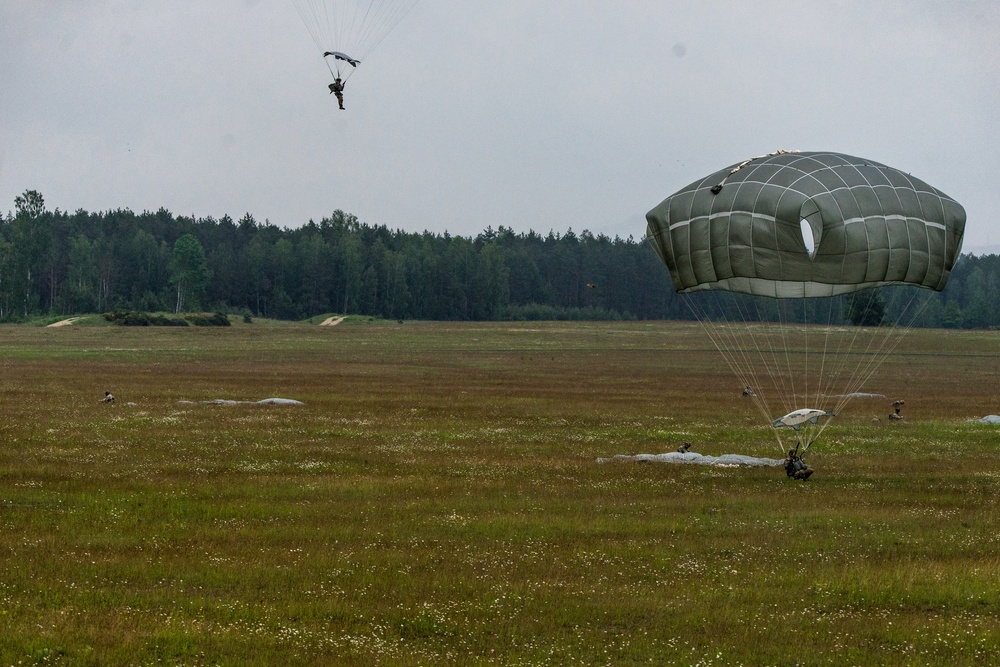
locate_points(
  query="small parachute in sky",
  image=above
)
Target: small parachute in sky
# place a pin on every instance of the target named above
(342, 56)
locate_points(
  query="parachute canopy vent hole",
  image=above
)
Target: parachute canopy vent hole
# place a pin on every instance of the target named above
(807, 238)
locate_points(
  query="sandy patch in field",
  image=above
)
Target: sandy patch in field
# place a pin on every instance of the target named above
(331, 321)
(62, 323)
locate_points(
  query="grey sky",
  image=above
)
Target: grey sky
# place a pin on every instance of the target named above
(531, 114)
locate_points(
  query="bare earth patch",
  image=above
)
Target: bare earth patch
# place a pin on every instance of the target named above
(331, 321)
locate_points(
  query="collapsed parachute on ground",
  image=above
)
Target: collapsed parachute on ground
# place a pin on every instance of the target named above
(355, 27)
(265, 401)
(791, 238)
(725, 460)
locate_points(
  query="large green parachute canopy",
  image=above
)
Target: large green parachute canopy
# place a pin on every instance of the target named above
(810, 224)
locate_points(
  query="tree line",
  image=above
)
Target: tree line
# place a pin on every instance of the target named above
(55, 262)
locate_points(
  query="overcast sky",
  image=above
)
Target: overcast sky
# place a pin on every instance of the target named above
(531, 114)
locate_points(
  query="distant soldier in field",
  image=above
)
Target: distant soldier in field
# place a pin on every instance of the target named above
(108, 398)
(683, 449)
(748, 392)
(896, 407)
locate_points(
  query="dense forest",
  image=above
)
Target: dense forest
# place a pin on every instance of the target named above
(54, 262)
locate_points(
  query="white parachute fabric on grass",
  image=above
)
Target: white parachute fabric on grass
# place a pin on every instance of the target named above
(726, 460)
(226, 401)
(989, 419)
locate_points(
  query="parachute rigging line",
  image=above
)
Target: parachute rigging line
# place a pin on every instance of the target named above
(350, 27)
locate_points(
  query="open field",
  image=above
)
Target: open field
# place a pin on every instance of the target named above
(437, 500)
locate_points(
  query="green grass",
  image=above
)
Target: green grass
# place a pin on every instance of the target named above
(437, 500)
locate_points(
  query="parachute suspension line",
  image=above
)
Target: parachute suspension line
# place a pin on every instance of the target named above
(723, 338)
(793, 329)
(870, 358)
(346, 74)
(805, 352)
(799, 395)
(752, 327)
(760, 331)
(767, 346)
(744, 353)
(805, 349)
(875, 353)
(314, 16)
(851, 384)
(821, 387)
(369, 24)
(835, 361)
(779, 369)
(816, 335)
(783, 319)
(824, 381)
(840, 376)
(828, 377)
(383, 22)
(887, 343)
(842, 353)
(854, 375)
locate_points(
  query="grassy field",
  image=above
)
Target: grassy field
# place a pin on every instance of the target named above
(437, 500)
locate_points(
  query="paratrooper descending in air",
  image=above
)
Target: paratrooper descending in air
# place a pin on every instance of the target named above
(337, 88)
(354, 27)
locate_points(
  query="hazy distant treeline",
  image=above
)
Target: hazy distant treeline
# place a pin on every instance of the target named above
(68, 263)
